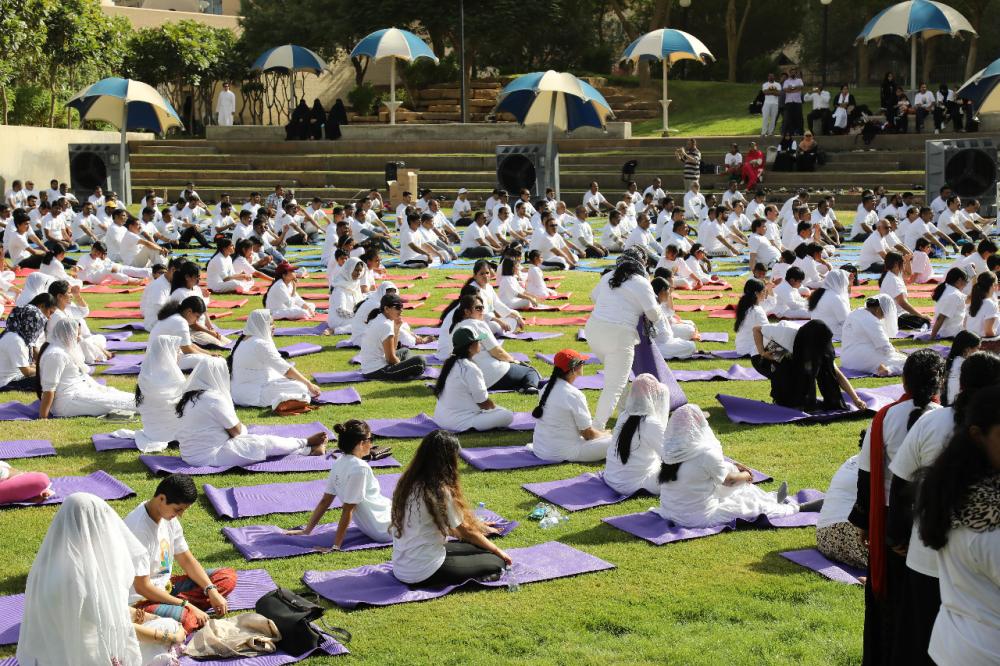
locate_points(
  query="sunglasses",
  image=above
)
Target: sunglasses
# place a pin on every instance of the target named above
(478, 308)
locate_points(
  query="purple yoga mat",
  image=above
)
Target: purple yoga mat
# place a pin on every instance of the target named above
(107, 442)
(589, 490)
(18, 411)
(125, 346)
(347, 344)
(293, 497)
(11, 613)
(427, 330)
(299, 349)
(736, 372)
(328, 647)
(127, 326)
(649, 359)
(345, 396)
(814, 560)
(99, 483)
(26, 448)
(755, 412)
(714, 336)
(374, 585)
(654, 529)
(292, 463)
(265, 542)
(318, 329)
(118, 336)
(495, 458)
(421, 425)
(355, 377)
(530, 336)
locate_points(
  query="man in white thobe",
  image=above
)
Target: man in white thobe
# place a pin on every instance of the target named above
(225, 106)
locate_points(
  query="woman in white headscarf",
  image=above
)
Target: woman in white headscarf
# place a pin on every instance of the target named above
(633, 459)
(210, 433)
(830, 303)
(866, 346)
(66, 388)
(700, 488)
(261, 377)
(161, 384)
(371, 303)
(72, 306)
(36, 283)
(345, 294)
(76, 609)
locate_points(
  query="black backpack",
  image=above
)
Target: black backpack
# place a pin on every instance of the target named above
(293, 615)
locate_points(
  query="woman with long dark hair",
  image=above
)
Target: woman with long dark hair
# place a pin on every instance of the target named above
(283, 300)
(428, 506)
(669, 344)
(184, 285)
(633, 459)
(956, 509)
(984, 316)
(949, 304)
(177, 319)
(751, 312)
(500, 317)
(512, 288)
(925, 440)
(964, 345)
(221, 275)
(381, 356)
(621, 298)
(462, 399)
(923, 375)
(564, 430)
(352, 480)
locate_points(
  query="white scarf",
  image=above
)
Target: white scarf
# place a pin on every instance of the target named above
(688, 435)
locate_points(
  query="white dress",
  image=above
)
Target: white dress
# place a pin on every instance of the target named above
(76, 393)
(866, 346)
(557, 434)
(94, 346)
(642, 470)
(285, 304)
(832, 310)
(259, 376)
(458, 407)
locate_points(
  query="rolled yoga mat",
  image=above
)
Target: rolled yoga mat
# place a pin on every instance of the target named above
(355, 377)
(267, 498)
(657, 531)
(814, 560)
(99, 483)
(374, 585)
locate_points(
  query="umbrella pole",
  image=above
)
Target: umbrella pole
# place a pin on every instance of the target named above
(550, 167)
(392, 92)
(123, 158)
(665, 102)
(291, 94)
(913, 62)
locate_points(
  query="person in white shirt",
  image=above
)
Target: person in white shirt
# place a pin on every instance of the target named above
(555, 253)
(837, 538)
(792, 87)
(642, 238)
(983, 318)
(734, 163)
(594, 201)
(950, 222)
(656, 189)
(414, 251)
(714, 238)
(86, 228)
(789, 303)
(564, 429)
(732, 193)
(534, 282)
(949, 304)
(940, 201)
(427, 507)
(771, 90)
(668, 342)
(922, 227)
(382, 357)
(352, 480)
(760, 247)
(15, 196)
(924, 103)
(283, 300)
(831, 303)
(461, 390)
(583, 234)
(222, 278)
(632, 462)
(867, 331)
(136, 250)
(511, 285)
(95, 268)
(461, 210)
(225, 106)
(820, 100)
(612, 238)
(678, 234)
(436, 238)
(477, 242)
(874, 249)
(695, 207)
(893, 283)
(19, 243)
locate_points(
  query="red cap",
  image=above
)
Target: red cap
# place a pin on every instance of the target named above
(283, 267)
(568, 359)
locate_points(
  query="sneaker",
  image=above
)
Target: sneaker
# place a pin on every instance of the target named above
(529, 390)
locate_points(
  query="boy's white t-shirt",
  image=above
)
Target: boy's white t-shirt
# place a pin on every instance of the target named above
(163, 541)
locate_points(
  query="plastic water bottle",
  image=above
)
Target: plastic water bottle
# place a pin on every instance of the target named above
(481, 512)
(512, 584)
(540, 511)
(548, 521)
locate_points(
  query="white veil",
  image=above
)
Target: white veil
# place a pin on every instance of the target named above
(66, 336)
(648, 397)
(76, 604)
(36, 283)
(890, 320)
(210, 374)
(160, 377)
(836, 284)
(688, 435)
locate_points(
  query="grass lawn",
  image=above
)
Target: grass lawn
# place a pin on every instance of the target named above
(723, 599)
(709, 108)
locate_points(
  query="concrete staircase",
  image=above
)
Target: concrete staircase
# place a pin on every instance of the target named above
(344, 169)
(632, 103)
(441, 103)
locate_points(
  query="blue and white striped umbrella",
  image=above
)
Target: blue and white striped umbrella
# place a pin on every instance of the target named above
(671, 46)
(128, 105)
(983, 89)
(915, 17)
(557, 99)
(393, 43)
(289, 58)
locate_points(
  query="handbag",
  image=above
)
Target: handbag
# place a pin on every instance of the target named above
(293, 615)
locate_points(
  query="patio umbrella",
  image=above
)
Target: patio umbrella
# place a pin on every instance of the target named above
(983, 89)
(671, 46)
(395, 44)
(557, 99)
(289, 59)
(128, 105)
(915, 17)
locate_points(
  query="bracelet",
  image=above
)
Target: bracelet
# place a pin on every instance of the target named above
(184, 603)
(210, 587)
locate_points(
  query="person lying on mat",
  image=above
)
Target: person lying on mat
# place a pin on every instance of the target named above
(633, 458)
(667, 341)
(210, 433)
(184, 285)
(382, 357)
(65, 388)
(923, 374)
(700, 488)
(156, 525)
(428, 507)
(345, 295)
(74, 571)
(20, 486)
(352, 480)
(176, 319)
(283, 300)
(798, 361)
(867, 331)
(260, 376)
(462, 399)
(565, 430)
(25, 326)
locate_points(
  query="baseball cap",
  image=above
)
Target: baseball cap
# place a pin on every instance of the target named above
(568, 359)
(462, 190)
(463, 337)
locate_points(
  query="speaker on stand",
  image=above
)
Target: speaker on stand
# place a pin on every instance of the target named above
(95, 165)
(523, 166)
(968, 166)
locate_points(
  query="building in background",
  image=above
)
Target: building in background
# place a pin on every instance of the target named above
(152, 13)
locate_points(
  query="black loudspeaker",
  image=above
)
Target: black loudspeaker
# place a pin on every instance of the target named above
(967, 166)
(94, 165)
(523, 166)
(392, 170)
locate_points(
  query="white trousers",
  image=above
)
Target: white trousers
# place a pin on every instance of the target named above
(676, 348)
(145, 257)
(614, 345)
(769, 115)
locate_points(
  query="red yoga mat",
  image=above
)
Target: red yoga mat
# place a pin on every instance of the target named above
(556, 321)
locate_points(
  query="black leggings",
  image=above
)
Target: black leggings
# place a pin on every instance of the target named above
(478, 252)
(409, 367)
(22, 384)
(463, 561)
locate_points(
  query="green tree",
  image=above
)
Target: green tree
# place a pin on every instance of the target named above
(21, 32)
